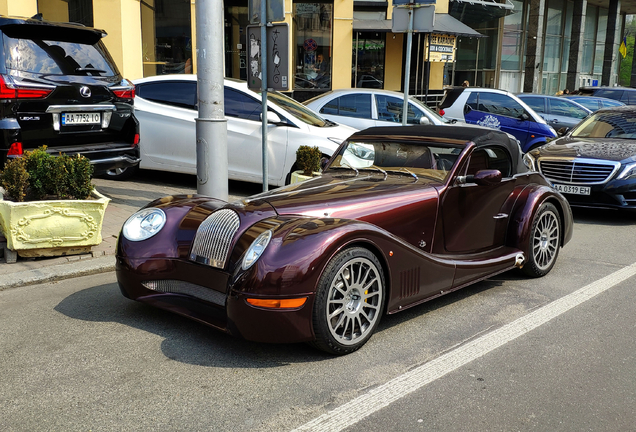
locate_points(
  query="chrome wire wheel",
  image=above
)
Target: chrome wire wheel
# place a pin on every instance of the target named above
(544, 242)
(354, 301)
(349, 301)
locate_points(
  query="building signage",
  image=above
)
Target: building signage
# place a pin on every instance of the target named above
(442, 48)
(277, 56)
(406, 2)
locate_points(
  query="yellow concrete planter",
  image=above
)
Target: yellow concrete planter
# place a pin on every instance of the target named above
(297, 177)
(53, 228)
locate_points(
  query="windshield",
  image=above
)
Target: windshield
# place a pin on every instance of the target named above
(620, 124)
(432, 113)
(56, 57)
(296, 109)
(433, 161)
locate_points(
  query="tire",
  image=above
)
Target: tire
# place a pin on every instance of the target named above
(545, 238)
(349, 301)
(120, 173)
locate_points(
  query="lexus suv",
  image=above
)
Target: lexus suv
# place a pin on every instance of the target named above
(60, 88)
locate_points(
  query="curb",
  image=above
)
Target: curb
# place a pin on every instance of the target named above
(61, 271)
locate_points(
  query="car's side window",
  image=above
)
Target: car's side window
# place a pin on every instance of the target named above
(473, 100)
(611, 94)
(490, 158)
(500, 105)
(181, 94)
(241, 105)
(389, 108)
(353, 105)
(536, 103)
(561, 107)
(631, 97)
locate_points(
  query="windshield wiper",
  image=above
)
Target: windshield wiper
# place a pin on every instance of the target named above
(346, 165)
(89, 69)
(378, 169)
(405, 171)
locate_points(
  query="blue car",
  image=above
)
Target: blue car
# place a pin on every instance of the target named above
(497, 109)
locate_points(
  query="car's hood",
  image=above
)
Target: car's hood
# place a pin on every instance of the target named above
(611, 149)
(395, 203)
(338, 132)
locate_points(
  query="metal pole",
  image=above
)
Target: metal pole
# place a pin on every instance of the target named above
(428, 66)
(355, 74)
(211, 125)
(407, 65)
(264, 89)
(476, 63)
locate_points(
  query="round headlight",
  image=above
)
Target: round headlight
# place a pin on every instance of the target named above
(256, 249)
(144, 224)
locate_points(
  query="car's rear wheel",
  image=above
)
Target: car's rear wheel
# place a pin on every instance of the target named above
(121, 173)
(349, 301)
(543, 247)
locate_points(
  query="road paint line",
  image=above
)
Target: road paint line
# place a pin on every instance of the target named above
(382, 396)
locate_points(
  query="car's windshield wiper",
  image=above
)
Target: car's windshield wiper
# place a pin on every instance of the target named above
(405, 171)
(378, 169)
(89, 69)
(346, 165)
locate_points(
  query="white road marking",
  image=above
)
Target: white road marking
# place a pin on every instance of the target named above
(380, 397)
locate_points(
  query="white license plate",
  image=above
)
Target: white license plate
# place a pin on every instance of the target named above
(574, 190)
(72, 119)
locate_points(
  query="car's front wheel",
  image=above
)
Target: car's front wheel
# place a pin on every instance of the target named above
(349, 301)
(120, 173)
(543, 247)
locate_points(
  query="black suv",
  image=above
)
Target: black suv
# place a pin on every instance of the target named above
(59, 87)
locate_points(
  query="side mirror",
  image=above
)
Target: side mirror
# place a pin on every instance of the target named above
(424, 120)
(467, 109)
(482, 178)
(524, 117)
(562, 131)
(272, 118)
(323, 162)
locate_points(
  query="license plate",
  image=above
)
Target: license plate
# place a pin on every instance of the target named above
(72, 119)
(574, 190)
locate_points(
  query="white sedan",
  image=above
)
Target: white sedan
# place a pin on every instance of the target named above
(166, 107)
(362, 108)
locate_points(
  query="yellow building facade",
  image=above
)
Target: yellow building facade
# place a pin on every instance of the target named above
(150, 37)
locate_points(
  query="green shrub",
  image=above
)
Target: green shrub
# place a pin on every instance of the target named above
(39, 175)
(308, 159)
(15, 179)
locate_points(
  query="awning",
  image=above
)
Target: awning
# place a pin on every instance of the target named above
(479, 11)
(444, 24)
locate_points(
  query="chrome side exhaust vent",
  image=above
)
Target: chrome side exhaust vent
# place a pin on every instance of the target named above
(519, 260)
(214, 237)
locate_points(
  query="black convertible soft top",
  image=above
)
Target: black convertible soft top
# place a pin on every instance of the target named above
(481, 136)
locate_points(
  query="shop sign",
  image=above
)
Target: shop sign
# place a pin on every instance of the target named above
(442, 48)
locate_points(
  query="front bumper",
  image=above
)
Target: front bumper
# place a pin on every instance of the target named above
(205, 294)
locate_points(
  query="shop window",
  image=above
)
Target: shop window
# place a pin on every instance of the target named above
(312, 36)
(368, 60)
(166, 37)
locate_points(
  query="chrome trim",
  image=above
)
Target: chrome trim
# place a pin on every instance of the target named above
(170, 286)
(122, 158)
(569, 164)
(214, 236)
(79, 108)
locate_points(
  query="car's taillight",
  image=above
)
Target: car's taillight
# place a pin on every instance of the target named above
(126, 90)
(8, 90)
(136, 139)
(442, 112)
(15, 149)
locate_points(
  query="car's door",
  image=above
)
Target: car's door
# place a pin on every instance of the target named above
(498, 111)
(472, 214)
(562, 113)
(244, 142)
(166, 111)
(350, 109)
(390, 110)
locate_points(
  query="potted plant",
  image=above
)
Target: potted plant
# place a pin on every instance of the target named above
(308, 162)
(48, 205)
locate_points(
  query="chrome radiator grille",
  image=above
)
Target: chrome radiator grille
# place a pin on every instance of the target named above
(213, 238)
(577, 171)
(181, 287)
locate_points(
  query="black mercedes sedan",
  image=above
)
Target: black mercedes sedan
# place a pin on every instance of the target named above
(594, 165)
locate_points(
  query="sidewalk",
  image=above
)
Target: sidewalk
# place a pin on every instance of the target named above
(126, 198)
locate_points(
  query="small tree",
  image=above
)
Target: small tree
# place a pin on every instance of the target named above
(308, 159)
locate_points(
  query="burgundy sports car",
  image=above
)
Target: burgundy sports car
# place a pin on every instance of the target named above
(399, 216)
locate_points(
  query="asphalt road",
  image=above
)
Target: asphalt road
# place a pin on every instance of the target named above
(77, 355)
